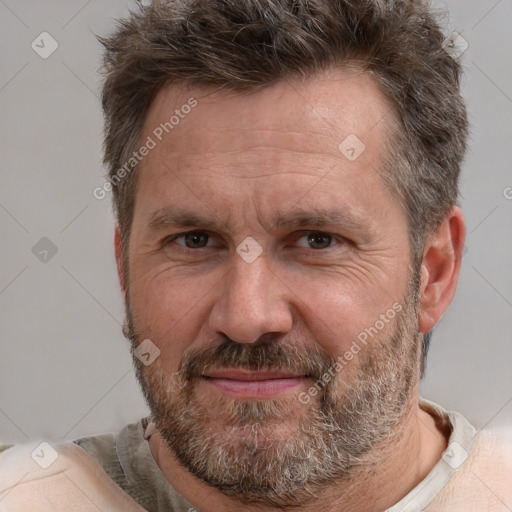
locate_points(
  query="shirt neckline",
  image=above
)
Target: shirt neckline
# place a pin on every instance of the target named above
(460, 442)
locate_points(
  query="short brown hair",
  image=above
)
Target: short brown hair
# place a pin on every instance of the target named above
(244, 45)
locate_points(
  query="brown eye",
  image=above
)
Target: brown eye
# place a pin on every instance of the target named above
(318, 240)
(192, 240)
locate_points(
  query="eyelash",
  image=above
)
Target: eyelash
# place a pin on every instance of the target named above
(335, 239)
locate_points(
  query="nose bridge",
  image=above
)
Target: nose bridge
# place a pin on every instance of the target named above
(251, 282)
(251, 302)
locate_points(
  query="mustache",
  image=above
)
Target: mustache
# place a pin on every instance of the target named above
(266, 353)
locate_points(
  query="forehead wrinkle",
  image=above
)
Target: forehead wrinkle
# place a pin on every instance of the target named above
(274, 164)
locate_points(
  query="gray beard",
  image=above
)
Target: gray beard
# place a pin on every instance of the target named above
(281, 452)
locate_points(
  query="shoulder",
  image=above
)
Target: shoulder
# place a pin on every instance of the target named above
(491, 462)
(41, 476)
(483, 482)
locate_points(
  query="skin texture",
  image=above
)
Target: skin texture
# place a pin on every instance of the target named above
(242, 161)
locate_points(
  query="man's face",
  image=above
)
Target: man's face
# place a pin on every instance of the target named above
(244, 335)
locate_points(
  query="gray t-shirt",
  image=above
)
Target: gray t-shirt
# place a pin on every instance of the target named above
(127, 459)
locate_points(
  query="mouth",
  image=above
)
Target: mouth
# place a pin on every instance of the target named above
(257, 384)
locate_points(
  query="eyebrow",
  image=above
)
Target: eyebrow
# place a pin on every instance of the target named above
(173, 217)
(179, 218)
(320, 218)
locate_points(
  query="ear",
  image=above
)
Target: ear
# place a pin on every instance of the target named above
(442, 261)
(119, 259)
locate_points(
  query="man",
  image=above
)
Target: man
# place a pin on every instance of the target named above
(284, 176)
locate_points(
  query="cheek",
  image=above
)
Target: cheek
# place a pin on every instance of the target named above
(170, 310)
(338, 314)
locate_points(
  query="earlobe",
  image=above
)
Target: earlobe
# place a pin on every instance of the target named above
(442, 260)
(119, 259)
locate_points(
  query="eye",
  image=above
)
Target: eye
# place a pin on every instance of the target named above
(316, 240)
(191, 240)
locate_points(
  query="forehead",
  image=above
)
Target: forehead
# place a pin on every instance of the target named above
(319, 111)
(272, 142)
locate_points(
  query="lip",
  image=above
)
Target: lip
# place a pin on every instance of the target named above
(242, 374)
(253, 384)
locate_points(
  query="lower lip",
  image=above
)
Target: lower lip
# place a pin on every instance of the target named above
(254, 388)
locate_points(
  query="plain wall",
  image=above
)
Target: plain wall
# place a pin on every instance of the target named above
(65, 368)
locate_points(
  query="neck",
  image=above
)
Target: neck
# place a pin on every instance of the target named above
(416, 444)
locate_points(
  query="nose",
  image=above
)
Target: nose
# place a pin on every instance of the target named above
(251, 301)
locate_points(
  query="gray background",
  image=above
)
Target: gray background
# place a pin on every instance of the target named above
(65, 369)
